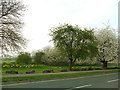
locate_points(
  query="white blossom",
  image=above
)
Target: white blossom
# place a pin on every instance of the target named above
(107, 45)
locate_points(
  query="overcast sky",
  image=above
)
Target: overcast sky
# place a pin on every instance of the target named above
(44, 14)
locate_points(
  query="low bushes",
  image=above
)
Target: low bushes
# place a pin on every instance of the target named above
(48, 71)
(30, 71)
(90, 68)
(83, 69)
(12, 72)
(113, 68)
(97, 68)
(63, 70)
(75, 69)
(22, 69)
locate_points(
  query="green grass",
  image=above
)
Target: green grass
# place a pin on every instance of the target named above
(54, 76)
(8, 61)
(39, 69)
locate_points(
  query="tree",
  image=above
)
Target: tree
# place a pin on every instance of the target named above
(54, 57)
(24, 58)
(74, 42)
(38, 56)
(11, 39)
(107, 46)
(47, 49)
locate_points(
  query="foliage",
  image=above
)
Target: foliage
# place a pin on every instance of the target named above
(39, 68)
(88, 61)
(54, 57)
(47, 49)
(107, 45)
(38, 56)
(24, 58)
(11, 39)
(74, 42)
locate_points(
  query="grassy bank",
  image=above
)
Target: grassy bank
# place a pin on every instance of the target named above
(54, 76)
(22, 70)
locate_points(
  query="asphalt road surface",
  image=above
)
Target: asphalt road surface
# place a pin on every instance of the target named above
(97, 81)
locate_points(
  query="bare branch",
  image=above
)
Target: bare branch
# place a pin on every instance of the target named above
(10, 26)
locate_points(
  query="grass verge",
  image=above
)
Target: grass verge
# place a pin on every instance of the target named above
(22, 70)
(54, 76)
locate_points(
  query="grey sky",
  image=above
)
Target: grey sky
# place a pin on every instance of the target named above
(44, 14)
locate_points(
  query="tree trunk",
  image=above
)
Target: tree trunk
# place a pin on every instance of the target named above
(105, 64)
(70, 65)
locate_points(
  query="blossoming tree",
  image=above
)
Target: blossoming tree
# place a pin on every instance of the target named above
(107, 45)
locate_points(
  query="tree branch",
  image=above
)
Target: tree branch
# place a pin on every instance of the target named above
(74, 60)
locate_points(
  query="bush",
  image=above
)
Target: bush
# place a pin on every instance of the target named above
(89, 68)
(63, 70)
(118, 67)
(48, 71)
(38, 57)
(112, 68)
(24, 58)
(97, 68)
(30, 71)
(83, 69)
(12, 72)
(4, 63)
(11, 63)
(75, 69)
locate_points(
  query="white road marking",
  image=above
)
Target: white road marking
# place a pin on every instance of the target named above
(113, 80)
(79, 87)
(57, 79)
(84, 86)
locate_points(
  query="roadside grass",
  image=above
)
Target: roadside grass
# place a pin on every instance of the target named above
(54, 76)
(39, 69)
(22, 70)
(8, 61)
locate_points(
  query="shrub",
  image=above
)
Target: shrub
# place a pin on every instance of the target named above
(63, 70)
(48, 71)
(83, 69)
(30, 71)
(38, 56)
(112, 68)
(89, 68)
(75, 69)
(4, 63)
(12, 63)
(24, 58)
(118, 67)
(97, 68)
(12, 72)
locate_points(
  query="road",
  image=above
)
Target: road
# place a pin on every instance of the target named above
(97, 81)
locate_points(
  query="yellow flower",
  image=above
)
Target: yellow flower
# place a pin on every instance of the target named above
(17, 65)
(8, 65)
